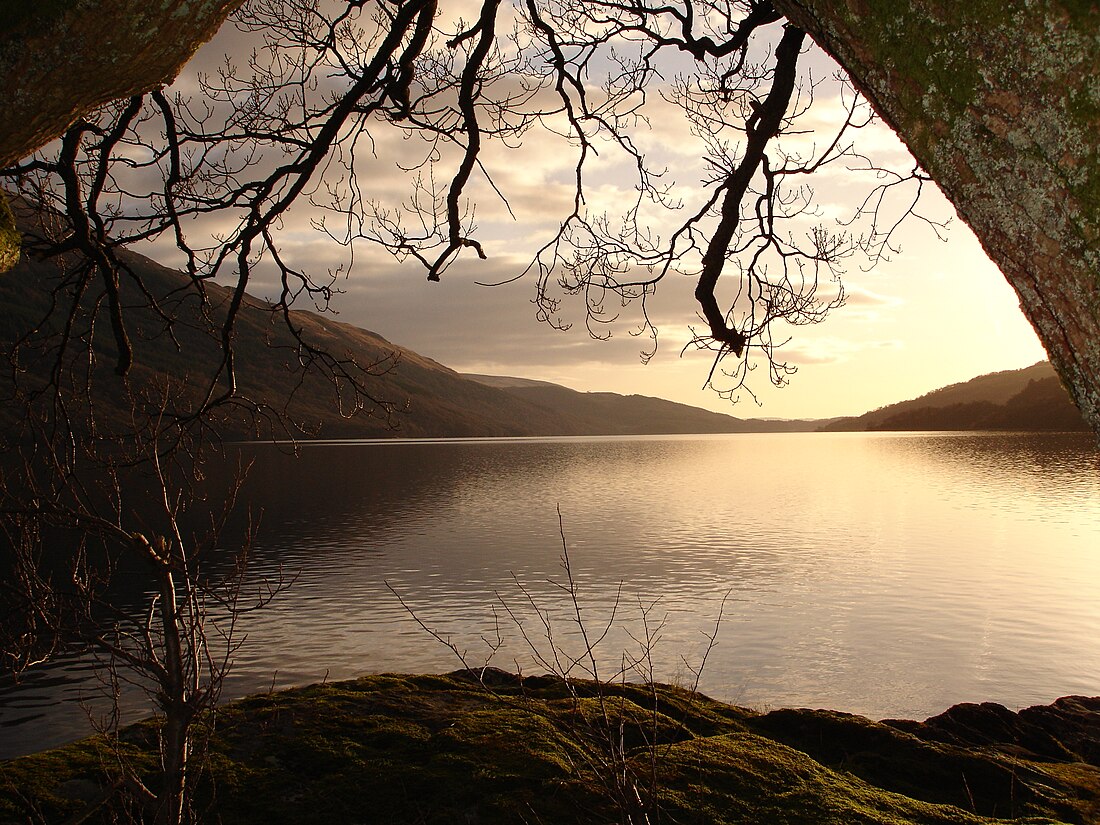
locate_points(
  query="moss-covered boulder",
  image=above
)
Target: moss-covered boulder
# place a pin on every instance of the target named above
(446, 749)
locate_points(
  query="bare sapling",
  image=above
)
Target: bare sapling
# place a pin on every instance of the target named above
(622, 737)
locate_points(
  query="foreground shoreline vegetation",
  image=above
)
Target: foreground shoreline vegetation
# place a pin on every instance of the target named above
(487, 746)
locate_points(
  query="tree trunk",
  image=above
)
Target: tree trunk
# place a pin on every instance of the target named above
(60, 59)
(999, 102)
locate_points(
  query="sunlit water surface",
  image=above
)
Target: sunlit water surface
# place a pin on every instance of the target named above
(889, 575)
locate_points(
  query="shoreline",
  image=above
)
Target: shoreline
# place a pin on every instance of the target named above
(451, 748)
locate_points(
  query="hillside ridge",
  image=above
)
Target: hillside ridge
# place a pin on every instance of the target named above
(431, 400)
(1028, 399)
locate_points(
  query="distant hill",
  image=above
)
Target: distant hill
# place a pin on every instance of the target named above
(608, 413)
(430, 399)
(1030, 399)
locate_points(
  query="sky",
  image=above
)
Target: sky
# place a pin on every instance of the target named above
(938, 312)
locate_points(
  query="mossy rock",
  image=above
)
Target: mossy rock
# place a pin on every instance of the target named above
(446, 749)
(744, 777)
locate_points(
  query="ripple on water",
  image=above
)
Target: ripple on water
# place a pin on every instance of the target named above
(885, 574)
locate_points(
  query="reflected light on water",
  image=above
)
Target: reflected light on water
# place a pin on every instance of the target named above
(888, 575)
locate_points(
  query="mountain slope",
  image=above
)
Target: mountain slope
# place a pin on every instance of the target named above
(1032, 398)
(428, 398)
(608, 413)
(174, 364)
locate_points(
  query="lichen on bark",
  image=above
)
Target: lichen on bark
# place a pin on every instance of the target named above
(1000, 103)
(62, 58)
(10, 238)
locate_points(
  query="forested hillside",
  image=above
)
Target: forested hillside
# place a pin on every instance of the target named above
(419, 397)
(1029, 399)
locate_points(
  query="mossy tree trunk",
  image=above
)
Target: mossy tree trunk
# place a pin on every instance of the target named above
(999, 101)
(10, 239)
(60, 59)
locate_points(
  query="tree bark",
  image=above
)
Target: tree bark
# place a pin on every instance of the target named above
(999, 102)
(60, 59)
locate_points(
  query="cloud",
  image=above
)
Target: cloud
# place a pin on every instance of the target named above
(858, 296)
(806, 350)
(861, 302)
(462, 324)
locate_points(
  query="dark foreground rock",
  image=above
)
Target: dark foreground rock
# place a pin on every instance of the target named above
(448, 749)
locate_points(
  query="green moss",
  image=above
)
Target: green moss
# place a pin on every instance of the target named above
(441, 749)
(749, 778)
(1082, 11)
(10, 238)
(1083, 112)
(924, 48)
(60, 783)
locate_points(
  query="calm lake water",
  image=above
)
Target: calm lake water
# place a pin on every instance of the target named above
(890, 575)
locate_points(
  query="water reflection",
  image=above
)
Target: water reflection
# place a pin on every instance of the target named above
(891, 575)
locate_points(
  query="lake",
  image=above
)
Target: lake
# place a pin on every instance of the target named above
(890, 575)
